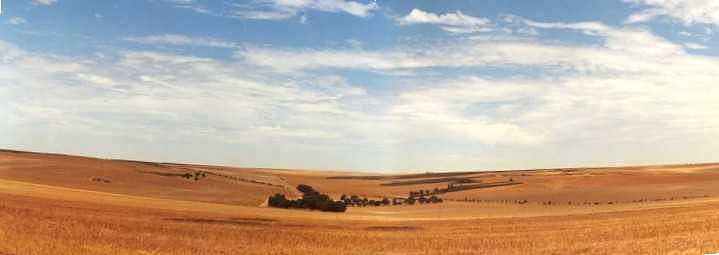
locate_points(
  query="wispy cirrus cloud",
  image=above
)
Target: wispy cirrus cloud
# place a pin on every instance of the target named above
(644, 15)
(493, 111)
(695, 46)
(280, 9)
(507, 99)
(152, 96)
(599, 89)
(688, 11)
(182, 40)
(44, 2)
(456, 22)
(16, 21)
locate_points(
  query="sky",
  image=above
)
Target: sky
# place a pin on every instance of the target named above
(379, 86)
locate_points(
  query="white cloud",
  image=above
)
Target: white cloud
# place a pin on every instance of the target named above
(44, 2)
(695, 46)
(230, 97)
(450, 22)
(282, 132)
(193, 5)
(644, 16)
(16, 21)
(280, 9)
(688, 11)
(182, 40)
(601, 90)
(351, 7)
(621, 46)
(625, 98)
(265, 15)
(527, 31)
(621, 39)
(181, 1)
(448, 108)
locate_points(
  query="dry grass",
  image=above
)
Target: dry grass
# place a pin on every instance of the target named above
(132, 178)
(44, 211)
(45, 226)
(577, 185)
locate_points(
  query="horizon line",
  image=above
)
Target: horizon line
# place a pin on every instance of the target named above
(375, 172)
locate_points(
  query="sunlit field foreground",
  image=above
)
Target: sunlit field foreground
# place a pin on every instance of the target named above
(54, 204)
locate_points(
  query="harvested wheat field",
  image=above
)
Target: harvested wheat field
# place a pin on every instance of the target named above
(59, 204)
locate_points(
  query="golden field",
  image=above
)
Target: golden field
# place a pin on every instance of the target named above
(54, 204)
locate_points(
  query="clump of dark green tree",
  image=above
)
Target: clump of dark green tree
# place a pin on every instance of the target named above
(311, 199)
(358, 201)
(197, 175)
(424, 197)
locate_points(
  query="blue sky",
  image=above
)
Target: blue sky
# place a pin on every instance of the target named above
(363, 85)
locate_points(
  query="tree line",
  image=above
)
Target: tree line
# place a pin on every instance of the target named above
(357, 201)
(313, 200)
(424, 197)
(421, 196)
(197, 176)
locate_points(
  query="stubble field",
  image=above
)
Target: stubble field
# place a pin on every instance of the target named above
(56, 204)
